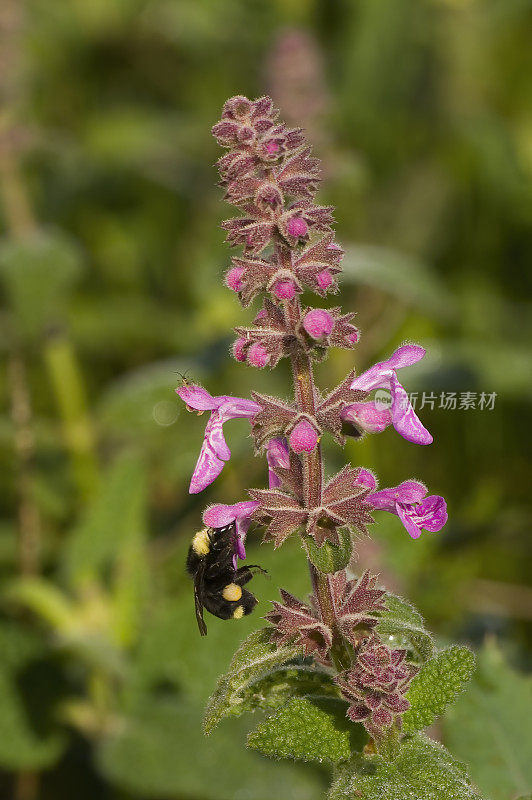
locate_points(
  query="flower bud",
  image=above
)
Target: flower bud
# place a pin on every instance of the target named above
(233, 278)
(304, 437)
(268, 197)
(258, 356)
(324, 279)
(318, 323)
(297, 227)
(284, 289)
(239, 349)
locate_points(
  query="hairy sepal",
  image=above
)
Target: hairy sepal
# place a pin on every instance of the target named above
(330, 557)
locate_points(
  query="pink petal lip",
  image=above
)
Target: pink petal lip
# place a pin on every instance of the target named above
(197, 397)
(405, 420)
(219, 515)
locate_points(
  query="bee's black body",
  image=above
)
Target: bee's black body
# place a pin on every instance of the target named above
(210, 562)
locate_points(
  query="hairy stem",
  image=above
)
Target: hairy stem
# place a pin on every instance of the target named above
(305, 395)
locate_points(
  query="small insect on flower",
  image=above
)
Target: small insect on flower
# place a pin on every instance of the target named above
(217, 582)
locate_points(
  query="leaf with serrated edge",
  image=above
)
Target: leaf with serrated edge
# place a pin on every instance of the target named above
(491, 726)
(308, 729)
(253, 660)
(405, 624)
(423, 770)
(437, 684)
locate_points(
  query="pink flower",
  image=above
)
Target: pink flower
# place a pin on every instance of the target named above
(416, 511)
(214, 450)
(384, 376)
(277, 455)
(219, 515)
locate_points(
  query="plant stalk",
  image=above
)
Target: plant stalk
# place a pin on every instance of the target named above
(305, 395)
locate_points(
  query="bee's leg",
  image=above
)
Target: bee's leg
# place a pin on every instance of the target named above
(245, 574)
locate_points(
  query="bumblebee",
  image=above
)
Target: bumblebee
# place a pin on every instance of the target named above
(211, 562)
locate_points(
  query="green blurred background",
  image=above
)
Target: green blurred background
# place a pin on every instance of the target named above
(111, 264)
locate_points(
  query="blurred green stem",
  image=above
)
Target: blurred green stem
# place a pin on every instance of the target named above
(67, 381)
(29, 520)
(59, 356)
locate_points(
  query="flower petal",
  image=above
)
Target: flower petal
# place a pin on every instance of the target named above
(207, 469)
(277, 455)
(432, 513)
(219, 515)
(376, 377)
(406, 514)
(214, 435)
(405, 420)
(406, 355)
(236, 407)
(367, 416)
(408, 492)
(197, 397)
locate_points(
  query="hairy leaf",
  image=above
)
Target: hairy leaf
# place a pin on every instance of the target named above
(405, 624)
(423, 770)
(491, 727)
(308, 729)
(440, 680)
(254, 659)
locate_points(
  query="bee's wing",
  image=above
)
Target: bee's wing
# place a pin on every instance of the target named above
(199, 578)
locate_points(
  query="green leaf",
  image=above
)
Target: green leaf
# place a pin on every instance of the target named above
(38, 274)
(308, 729)
(330, 557)
(29, 739)
(403, 626)
(253, 660)
(491, 727)
(440, 680)
(160, 751)
(423, 770)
